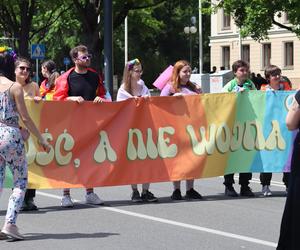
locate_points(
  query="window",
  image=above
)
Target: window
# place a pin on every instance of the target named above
(266, 55)
(288, 54)
(225, 21)
(246, 53)
(226, 57)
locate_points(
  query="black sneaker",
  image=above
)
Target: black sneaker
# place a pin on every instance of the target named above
(176, 195)
(148, 196)
(192, 194)
(246, 191)
(229, 191)
(29, 205)
(135, 196)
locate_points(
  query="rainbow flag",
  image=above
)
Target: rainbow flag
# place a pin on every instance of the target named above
(159, 139)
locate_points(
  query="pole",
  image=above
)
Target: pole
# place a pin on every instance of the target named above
(126, 40)
(108, 66)
(190, 34)
(37, 70)
(200, 39)
(240, 45)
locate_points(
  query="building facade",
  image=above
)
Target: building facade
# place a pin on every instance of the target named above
(280, 49)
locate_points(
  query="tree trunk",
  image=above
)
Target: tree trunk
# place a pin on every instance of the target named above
(26, 19)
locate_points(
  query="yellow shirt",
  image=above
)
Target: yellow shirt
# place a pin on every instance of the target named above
(31, 90)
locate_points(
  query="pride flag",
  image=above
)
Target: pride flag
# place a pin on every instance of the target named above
(159, 139)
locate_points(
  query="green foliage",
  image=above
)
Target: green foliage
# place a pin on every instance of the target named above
(256, 17)
(155, 30)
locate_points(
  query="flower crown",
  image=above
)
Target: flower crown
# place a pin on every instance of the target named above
(132, 63)
(8, 50)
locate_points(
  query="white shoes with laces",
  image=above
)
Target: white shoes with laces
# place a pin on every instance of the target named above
(266, 191)
(66, 201)
(93, 199)
(12, 231)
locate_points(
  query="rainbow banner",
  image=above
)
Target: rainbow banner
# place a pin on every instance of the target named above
(159, 139)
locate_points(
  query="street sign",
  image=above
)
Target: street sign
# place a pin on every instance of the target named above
(38, 51)
(67, 61)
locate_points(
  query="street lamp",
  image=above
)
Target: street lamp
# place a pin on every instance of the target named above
(189, 30)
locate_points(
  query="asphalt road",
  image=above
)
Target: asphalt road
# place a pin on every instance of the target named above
(216, 222)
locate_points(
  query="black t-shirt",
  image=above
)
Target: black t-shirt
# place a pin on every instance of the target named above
(84, 85)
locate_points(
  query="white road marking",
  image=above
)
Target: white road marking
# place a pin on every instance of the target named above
(175, 223)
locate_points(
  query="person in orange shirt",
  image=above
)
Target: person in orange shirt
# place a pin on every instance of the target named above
(275, 82)
(48, 84)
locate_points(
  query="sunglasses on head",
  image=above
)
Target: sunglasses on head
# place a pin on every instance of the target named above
(24, 67)
(85, 57)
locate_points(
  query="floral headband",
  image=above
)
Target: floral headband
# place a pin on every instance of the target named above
(8, 50)
(132, 63)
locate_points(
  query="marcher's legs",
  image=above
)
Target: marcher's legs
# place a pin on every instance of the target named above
(228, 180)
(16, 199)
(2, 174)
(176, 195)
(285, 179)
(191, 193)
(176, 185)
(244, 179)
(189, 184)
(28, 203)
(229, 189)
(92, 198)
(66, 200)
(265, 180)
(135, 195)
(30, 194)
(146, 194)
(145, 186)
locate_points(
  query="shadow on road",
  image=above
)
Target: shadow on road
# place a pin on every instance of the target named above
(40, 236)
(161, 200)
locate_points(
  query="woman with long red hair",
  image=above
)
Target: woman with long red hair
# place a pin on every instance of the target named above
(181, 85)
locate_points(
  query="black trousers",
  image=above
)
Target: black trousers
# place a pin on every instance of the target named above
(244, 179)
(265, 179)
(30, 194)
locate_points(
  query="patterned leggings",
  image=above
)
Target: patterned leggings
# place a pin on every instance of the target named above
(12, 154)
(16, 199)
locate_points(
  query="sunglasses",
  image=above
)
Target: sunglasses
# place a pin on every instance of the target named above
(23, 68)
(138, 71)
(85, 57)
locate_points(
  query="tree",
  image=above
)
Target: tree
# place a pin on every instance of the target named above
(90, 13)
(256, 17)
(16, 20)
(156, 37)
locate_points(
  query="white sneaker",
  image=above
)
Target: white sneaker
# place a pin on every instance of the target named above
(266, 191)
(93, 199)
(12, 231)
(66, 201)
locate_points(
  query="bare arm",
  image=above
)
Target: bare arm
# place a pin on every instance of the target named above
(17, 94)
(36, 89)
(293, 116)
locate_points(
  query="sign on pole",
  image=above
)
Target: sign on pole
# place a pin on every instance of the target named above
(67, 62)
(38, 53)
